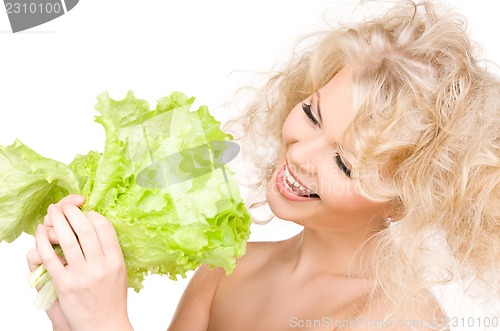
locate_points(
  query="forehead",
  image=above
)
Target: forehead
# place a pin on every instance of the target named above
(335, 102)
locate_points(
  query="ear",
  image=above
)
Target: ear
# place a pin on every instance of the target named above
(394, 212)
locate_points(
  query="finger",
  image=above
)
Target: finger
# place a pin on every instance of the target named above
(47, 254)
(67, 239)
(52, 235)
(107, 236)
(74, 199)
(84, 229)
(47, 221)
(33, 259)
(51, 232)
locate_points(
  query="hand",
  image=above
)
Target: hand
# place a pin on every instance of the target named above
(92, 286)
(55, 313)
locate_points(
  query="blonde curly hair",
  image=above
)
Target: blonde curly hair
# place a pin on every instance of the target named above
(424, 135)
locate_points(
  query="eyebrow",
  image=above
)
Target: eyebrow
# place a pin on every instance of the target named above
(317, 106)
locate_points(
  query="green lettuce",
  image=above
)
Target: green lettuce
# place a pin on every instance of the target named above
(169, 221)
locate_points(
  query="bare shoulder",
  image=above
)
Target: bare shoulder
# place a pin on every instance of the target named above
(193, 310)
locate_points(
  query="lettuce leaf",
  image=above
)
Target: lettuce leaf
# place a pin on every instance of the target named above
(169, 223)
(29, 183)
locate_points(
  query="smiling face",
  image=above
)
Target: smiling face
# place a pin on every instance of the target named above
(311, 185)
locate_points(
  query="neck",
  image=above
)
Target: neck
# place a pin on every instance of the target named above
(321, 252)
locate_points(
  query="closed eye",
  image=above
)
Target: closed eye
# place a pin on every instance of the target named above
(342, 166)
(307, 110)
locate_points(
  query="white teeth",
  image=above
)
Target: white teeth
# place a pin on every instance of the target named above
(297, 188)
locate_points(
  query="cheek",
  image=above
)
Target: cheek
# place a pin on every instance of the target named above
(292, 127)
(340, 194)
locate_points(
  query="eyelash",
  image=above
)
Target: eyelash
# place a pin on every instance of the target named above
(338, 160)
(342, 165)
(307, 110)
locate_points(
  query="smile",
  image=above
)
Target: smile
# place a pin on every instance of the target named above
(291, 188)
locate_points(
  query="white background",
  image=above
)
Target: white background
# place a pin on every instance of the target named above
(50, 76)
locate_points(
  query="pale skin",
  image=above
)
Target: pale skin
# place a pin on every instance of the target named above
(92, 286)
(302, 277)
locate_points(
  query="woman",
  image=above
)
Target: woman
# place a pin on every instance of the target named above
(388, 142)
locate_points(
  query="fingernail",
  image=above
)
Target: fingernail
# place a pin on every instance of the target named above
(39, 228)
(52, 208)
(77, 198)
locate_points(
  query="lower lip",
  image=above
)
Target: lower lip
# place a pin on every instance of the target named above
(285, 192)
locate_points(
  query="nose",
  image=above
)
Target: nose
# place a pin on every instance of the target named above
(306, 155)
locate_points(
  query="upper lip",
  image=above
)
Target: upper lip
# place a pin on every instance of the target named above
(295, 177)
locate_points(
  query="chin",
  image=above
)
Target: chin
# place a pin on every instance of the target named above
(282, 208)
(275, 200)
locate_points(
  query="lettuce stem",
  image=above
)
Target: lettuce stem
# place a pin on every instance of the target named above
(40, 279)
(33, 277)
(46, 296)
